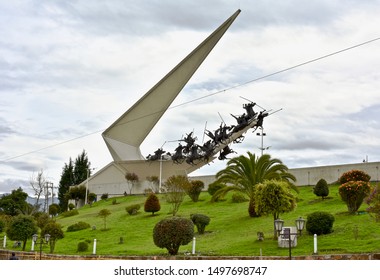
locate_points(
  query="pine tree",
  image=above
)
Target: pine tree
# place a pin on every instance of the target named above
(67, 180)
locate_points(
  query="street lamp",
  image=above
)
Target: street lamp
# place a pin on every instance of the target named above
(300, 224)
(43, 240)
(262, 134)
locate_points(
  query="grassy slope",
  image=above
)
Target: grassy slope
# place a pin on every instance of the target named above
(231, 230)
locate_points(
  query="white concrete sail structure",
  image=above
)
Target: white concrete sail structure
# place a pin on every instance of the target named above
(124, 137)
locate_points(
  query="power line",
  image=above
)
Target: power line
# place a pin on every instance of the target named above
(208, 95)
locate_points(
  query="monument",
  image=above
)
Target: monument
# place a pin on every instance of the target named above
(125, 136)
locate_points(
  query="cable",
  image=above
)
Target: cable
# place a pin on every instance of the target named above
(206, 96)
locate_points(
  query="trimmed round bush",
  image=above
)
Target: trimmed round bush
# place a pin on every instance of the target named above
(321, 188)
(152, 204)
(200, 221)
(320, 223)
(195, 189)
(239, 198)
(132, 209)
(353, 194)
(214, 187)
(78, 226)
(173, 232)
(82, 246)
(354, 175)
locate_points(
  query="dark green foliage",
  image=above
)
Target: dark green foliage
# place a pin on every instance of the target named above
(320, 223)
(42, 219)
(132, 209)
(104, 196)
(173, 232)
(214, 187)
(14, 203)
(67, 180)
(239, 198)
(55, 231)
(321, 188)
(195, 189)
(91, 198)
(82, 246)
(354, 175)
(54, 209)
(70, 213)
(200, 221)
(71, 206)
(21, 228)
(78, 226)
(152, 204)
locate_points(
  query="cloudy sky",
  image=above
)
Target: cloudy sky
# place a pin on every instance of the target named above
(70, 68)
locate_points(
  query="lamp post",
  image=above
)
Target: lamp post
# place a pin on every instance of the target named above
(300, 224)
(43, 240)
(262, 134)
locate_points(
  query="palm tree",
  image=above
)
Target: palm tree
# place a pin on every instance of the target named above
(243, 173)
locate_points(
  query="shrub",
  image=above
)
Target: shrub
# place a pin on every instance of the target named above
(373, 200)
(70, 213)
(82, 246)
(353, 194)
(214, 187)
(78, 226)
(320, 222)
(173, 232)
(104, 196)
(132, 209)
(321, 188)
(354, 175)
(71, 206)
(195, 189)
(200, 221)
(152, 204)
(239, 198)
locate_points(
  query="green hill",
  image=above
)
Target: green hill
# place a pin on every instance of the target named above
(231, 231)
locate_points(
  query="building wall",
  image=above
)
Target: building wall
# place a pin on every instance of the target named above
(111, 179)
(309, 176)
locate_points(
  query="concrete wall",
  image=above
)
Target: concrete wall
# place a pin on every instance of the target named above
(309, 176)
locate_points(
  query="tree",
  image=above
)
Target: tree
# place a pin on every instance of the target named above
(173, 232)
(81, 168)
(38, 184)
(373, 201)
(14, 203)
(104, 213)
(132, 180)
(77, 193)
(195, 189)
(274, 197)
(354, 189)
(175, 187)
(321, 189)
(21, 228)
(54, 209)
(243, 173)
(55, 231)
(152, 204)
(73, 173)
(67, 180)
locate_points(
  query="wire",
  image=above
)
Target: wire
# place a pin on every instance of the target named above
(206, 96)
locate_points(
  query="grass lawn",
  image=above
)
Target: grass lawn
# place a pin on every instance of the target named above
(231, 231)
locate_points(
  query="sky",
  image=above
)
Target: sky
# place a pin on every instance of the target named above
(69, 69)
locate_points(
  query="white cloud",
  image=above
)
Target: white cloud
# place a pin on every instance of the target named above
(69, 69)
